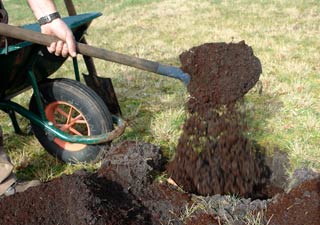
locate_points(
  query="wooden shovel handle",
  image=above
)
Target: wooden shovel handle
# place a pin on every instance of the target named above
(46, 40)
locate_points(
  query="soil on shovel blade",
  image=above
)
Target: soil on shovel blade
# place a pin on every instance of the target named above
(214, 159)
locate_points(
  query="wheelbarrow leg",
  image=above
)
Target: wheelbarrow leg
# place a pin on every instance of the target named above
(76, 69)
(37, 94)
(14, 121)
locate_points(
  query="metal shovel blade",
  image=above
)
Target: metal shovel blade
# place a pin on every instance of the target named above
(104, 88)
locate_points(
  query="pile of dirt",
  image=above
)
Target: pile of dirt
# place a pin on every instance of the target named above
(123, 191)
(78, 199)
(134, 165)
(213, 154)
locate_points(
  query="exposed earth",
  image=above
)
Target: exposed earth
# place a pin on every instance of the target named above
(122, 191)
(218, 176)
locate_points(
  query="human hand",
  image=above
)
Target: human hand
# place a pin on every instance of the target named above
(66, 45)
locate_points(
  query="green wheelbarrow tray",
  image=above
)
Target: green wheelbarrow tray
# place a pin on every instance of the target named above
(17, 59)
(24, 64)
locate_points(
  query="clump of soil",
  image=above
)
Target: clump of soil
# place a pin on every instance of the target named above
(220, 73)
(213, 155)
(134, 165)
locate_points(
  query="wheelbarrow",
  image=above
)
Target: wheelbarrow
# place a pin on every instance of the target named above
(68, 118)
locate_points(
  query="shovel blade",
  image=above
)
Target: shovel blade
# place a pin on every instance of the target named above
(104, 88)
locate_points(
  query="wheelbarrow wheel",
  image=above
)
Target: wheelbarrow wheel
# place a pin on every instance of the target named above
(75, 109)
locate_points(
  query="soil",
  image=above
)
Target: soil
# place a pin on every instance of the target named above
(214, 158)
(300, 206)
(213, 155)
(220, 72)
(120, 192)
(123, 191)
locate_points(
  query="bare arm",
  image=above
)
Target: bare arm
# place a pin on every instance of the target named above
(56, 27)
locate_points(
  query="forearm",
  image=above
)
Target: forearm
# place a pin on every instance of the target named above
(42, 7)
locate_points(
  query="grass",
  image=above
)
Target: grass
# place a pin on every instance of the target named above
(226, 210)
(283, 34)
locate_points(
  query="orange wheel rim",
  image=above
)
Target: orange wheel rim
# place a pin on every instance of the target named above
(70, 120)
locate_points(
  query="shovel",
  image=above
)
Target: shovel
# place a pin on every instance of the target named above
(87, 50)
(102, 86)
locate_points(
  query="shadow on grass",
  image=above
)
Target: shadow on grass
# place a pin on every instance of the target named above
(258, 111)
(260, 108)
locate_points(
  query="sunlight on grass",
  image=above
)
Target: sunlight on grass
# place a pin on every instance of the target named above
(283, 34)
(166, 129)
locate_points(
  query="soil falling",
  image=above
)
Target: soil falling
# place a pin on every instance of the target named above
(213, 154)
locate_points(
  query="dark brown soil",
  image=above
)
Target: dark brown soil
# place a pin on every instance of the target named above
(220, 73)
(111, 196)
(120, 192)
(301, 206)
(79, 199)
(133, 165)
(213, 155)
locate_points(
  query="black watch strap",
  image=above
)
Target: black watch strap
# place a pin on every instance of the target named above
(48, 18)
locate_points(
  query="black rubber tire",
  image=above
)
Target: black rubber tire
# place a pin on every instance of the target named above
(86, 101)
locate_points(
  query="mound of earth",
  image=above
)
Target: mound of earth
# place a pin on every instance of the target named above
(122, 192)
(77, 199)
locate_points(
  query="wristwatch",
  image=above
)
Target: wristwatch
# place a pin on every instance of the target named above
(48, 18)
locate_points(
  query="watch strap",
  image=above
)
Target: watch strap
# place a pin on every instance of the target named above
(48, 18)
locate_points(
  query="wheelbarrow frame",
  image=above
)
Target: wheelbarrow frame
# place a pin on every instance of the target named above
(78, 24)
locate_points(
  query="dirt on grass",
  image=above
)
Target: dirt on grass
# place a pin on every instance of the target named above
(218, 176)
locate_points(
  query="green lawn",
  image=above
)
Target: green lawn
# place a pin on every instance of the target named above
(284, 35)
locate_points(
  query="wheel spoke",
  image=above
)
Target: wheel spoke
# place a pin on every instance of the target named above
(59, 125)
(78, 119)
(64, 127)
(63, 113)
(69, 115)
(74, 131)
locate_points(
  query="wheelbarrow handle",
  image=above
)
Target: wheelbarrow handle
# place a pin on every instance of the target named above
(84, 49)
